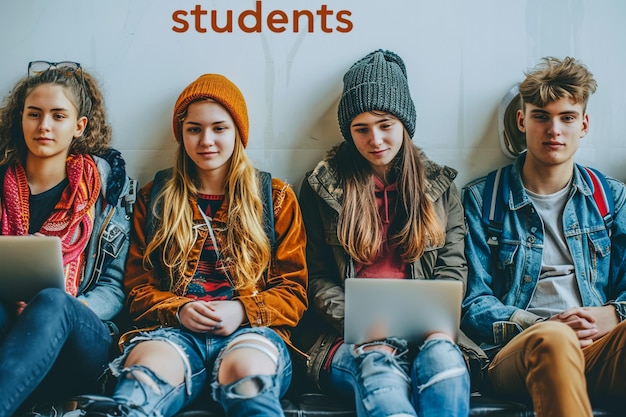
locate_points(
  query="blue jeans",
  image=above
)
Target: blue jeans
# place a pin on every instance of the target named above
(435, 383)
(56, 348)
(203, 354)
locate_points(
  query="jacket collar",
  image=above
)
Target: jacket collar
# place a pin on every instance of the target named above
(112, 169)
(325, 182)
(519, 198)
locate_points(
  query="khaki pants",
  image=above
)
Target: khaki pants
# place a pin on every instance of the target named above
(546, 361)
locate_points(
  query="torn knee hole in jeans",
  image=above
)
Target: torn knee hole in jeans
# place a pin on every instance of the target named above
(118, 368)
(442, 376)
(254, 341)
(249, 386)
(389, 347)
(145, 376)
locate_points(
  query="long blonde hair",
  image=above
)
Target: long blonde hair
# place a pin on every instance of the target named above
(246, 249)
(415, 225)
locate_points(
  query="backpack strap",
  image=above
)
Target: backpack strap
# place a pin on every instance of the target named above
(496, 193)
(495, 199)
(265, 185)
(160, 178)
(602, 195)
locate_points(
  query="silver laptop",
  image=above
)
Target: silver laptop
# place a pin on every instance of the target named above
(29, 264)
(409, 309)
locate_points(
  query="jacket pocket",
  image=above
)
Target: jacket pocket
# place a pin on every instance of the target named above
(599, 246)
(504, 264)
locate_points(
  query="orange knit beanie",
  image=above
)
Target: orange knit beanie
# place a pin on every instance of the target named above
(220, 89)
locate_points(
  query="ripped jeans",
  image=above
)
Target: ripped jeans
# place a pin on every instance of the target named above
(436, 383)
(202, 353)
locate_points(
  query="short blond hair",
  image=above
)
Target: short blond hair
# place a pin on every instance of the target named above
(554, 79)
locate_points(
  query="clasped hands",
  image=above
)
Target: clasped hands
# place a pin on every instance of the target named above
(589, 323)
(221, 317)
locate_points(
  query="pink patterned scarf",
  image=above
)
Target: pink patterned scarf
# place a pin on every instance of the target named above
(71, 220)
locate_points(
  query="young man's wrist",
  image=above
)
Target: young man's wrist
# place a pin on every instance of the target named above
(620, 309)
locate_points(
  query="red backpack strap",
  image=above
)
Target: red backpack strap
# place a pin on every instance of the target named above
(602, 194)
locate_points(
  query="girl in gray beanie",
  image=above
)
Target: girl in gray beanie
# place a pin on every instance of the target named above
(374, 207)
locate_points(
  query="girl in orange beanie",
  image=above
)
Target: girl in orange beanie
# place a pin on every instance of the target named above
(215, 298)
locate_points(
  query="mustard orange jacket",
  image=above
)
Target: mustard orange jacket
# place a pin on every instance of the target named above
(281, 297)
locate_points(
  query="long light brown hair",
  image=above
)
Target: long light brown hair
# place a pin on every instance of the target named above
(416, 224)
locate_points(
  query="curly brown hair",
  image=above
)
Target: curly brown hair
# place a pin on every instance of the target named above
(83, 92)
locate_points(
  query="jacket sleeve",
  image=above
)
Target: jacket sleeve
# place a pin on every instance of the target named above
(450, 262)
(325, 286)
(617, 278)
(485, 318)
(282, 302)
(146, 301)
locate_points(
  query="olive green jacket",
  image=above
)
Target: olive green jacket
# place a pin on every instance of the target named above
(321, 198)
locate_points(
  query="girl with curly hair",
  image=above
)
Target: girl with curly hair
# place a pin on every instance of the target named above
(59, 177)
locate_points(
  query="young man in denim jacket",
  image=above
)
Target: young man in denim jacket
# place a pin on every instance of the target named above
(547, 302)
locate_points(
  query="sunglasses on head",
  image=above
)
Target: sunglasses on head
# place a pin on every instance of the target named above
(36, 68)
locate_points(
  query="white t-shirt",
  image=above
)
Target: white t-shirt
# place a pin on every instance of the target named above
(557, 289)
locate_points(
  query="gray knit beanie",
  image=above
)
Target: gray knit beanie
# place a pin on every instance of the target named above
(376, 82)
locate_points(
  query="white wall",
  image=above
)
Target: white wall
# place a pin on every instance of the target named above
(462, 56)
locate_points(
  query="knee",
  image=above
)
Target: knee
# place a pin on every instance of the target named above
(439, 354)
(159, 357)
(439, 360)
(249, 386)
(52, 297)
(552, 344)
(551, 337)
(241, 362)
(51, 302)
(249, 365)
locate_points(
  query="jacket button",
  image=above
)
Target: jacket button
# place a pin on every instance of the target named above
(527, 278)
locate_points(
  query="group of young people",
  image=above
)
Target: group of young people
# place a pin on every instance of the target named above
(216, 262)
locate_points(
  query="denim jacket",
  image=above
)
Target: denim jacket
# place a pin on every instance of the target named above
(101, 284)
(321, 197)
(101, 287)
(500, 288)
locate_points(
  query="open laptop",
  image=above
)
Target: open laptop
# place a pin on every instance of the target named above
(29, 264)
(410, 309)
